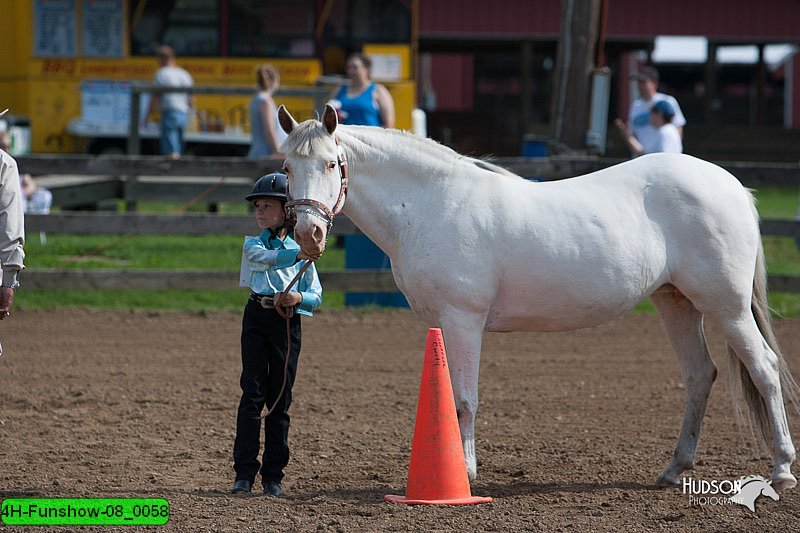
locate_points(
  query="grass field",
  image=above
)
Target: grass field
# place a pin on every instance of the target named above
(223, 252)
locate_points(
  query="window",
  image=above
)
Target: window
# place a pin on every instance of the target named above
(271, 28)
(384, 21)
(351, 23)
(191, 27)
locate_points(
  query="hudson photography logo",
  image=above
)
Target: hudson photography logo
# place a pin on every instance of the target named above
(743, 491)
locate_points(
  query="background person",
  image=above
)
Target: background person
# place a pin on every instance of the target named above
(639, 113)
(35, 199)
(361, 101)
(667, 137)
(12, 232)
(273, 262)
(267, 136)
(174, 107)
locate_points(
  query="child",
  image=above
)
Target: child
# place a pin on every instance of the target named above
(667, 138)
(273, 260)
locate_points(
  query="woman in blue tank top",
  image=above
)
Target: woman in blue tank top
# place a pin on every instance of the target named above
(362, 101)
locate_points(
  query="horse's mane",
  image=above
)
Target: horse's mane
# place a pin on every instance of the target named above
(311, 136)
(436, 149)
(491, 167)
(306, 138)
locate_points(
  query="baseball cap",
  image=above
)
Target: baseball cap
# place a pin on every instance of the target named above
(646, 73)
(665, 108)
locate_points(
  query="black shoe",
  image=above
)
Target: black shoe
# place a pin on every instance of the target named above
(241, 485)
(272, 488)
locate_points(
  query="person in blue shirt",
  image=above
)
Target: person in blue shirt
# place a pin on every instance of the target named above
(361, 101)
(274, 259)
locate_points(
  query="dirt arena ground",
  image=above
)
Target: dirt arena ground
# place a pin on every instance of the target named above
(572, 429)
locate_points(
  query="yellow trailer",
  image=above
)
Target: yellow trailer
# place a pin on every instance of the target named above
(66, 66)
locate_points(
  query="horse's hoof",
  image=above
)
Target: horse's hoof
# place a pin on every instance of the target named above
(470, 461)
(784, 482)
(666, 480)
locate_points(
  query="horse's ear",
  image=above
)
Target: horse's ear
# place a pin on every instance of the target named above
(287, 121)
(330, 119)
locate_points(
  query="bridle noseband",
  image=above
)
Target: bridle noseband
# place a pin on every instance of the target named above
(319, 209)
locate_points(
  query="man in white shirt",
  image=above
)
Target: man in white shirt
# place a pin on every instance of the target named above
(12, 232)
(639, 114)
(174, 107)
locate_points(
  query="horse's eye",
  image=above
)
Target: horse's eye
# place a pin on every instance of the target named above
(331, 165)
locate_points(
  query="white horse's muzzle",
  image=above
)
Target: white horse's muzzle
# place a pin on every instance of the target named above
(311, 234)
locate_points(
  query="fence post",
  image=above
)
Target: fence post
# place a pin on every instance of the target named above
(131, 182)
(133, 130)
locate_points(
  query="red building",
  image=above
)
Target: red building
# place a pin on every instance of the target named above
(486, 69)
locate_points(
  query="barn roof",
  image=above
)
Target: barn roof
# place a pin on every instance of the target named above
(734, 21)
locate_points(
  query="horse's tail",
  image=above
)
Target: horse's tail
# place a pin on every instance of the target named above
(743, 390)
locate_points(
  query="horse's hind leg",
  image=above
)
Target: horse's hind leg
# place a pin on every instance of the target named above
(768, 412)
(684, 327)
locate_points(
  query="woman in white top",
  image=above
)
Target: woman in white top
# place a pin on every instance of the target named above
(266, 133)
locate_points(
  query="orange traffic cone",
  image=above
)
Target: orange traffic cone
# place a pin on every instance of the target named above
(437, 474)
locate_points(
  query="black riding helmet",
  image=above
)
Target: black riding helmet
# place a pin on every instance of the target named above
(273, 185)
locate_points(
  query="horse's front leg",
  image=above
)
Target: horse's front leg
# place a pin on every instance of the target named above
(463, 333)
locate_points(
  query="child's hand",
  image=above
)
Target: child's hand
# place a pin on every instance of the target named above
(289, 299)
(301, 255)
(7, 301)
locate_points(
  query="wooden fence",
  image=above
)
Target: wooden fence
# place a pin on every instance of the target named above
(90, 223)
(81, 181)
(556, 167)
(135, 178)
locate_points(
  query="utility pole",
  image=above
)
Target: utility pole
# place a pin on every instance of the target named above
(573, 72)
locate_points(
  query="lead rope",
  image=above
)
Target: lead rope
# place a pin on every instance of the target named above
(288, 314)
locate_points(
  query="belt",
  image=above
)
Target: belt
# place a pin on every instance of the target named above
(264, 300)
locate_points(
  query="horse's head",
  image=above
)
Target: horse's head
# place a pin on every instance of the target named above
(317, 173)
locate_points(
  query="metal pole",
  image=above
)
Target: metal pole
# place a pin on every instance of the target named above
(133, 131)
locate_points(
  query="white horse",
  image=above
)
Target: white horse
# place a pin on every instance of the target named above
(476, 248)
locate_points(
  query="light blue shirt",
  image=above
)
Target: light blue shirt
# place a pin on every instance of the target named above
(273, 265)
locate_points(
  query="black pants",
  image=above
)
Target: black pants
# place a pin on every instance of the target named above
(263, 362)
